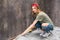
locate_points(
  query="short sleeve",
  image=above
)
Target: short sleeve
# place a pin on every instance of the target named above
(39, 17)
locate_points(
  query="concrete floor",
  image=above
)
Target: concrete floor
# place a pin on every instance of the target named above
(35, 35)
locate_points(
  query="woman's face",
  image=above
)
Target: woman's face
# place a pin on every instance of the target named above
(34, 9)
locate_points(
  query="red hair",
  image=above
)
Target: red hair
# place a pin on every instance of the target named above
(35, 4)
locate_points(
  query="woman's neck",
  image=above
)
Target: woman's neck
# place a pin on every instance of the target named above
(38, 11)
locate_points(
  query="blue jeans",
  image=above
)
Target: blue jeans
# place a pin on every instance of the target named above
(45, 28)
(38, 25)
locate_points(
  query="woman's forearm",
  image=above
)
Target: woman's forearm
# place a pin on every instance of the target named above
(28, 29)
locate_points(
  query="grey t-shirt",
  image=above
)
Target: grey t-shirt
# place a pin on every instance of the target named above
(44, 18)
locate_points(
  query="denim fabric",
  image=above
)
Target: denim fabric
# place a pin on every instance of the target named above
(38, 25)
(45, 28)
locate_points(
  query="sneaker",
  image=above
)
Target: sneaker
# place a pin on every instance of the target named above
(42, 33)
(46, 34)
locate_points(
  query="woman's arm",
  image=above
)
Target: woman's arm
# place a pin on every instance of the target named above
(30, 27)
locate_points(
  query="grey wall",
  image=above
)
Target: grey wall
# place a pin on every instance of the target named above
(15, 15)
